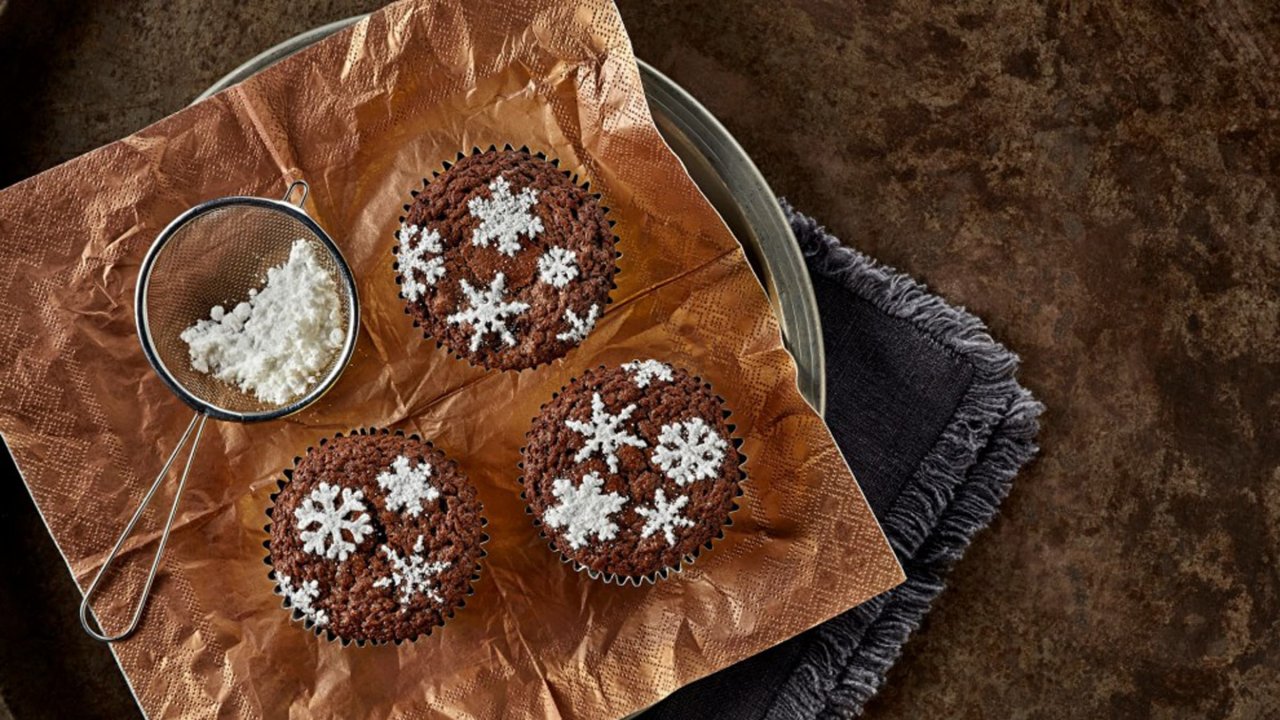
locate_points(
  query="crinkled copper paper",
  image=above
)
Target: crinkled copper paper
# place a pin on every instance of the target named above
(363, 117)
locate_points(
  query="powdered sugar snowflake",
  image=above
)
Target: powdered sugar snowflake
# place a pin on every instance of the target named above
(557, 266)
(664, 516)
(303, 597)
(690, 450)
(321, 508)
(603, 433)
(413, 574)
(579, 327)
(407, 487)
(417, 269)
(644, 371)
(583, 510)
(504, 217)
(487, 312)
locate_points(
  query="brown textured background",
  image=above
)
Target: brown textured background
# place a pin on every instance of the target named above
(1098, 181)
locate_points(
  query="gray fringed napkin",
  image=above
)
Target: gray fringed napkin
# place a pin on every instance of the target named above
(925, 406)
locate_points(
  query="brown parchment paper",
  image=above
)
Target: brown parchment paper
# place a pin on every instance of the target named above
(363, 117)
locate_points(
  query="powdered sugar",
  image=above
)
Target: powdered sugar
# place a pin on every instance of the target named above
(487, 312)
(664, 516)
(584, 510)
(303, 597)
(558, 267)
(504, 217)
(407, 486)
(412, 574)
(644, 372)
(604, 433)
(275, 345)
(331, 518)
(419, 270)
(689, 451)
(579, 325)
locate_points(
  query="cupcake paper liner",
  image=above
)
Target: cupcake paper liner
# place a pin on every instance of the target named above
(296, 614)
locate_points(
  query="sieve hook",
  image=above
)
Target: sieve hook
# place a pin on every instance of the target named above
(197, 424)
(306, 190)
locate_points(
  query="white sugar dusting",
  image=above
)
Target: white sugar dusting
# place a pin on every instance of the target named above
(504, 217)
(664, 516)
(579, 325)
(689, 451)
(487, 312)
(644, 372)
(558, 267)
(604, 433)
(274, 345)
(584, 510)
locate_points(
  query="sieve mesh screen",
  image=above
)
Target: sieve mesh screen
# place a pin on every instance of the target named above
(215, 258)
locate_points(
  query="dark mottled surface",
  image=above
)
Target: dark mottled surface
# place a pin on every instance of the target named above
(1097, 180)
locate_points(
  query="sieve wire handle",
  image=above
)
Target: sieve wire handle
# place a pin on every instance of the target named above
(197, 424)
(306, 190)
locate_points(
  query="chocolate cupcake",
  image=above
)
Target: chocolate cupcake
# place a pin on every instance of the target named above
(505, 260)
(631, 470)
(375, 537)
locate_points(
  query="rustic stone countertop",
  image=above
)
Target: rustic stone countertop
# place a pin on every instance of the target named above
(1098, 181)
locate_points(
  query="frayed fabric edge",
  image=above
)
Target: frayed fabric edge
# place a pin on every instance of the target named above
(954, 494)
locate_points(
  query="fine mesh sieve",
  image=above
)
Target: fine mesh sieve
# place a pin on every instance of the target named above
(215, 254)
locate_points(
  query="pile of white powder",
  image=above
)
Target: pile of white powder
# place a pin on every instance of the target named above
(274, 345)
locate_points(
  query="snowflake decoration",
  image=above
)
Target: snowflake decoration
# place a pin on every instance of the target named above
(583, 510)
(302, 597)
(557, 267)
(504, 217)
(412, 574)
(603, 433)
(487, 312)
(689, 451)
(579, 327)
(644, 371)
(320, 508)
(414, 263)
(664, 516)
(407, 487)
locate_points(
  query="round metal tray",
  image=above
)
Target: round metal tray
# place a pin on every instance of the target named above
(724, 173)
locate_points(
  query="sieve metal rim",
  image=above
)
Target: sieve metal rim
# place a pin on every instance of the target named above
(346, 280)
